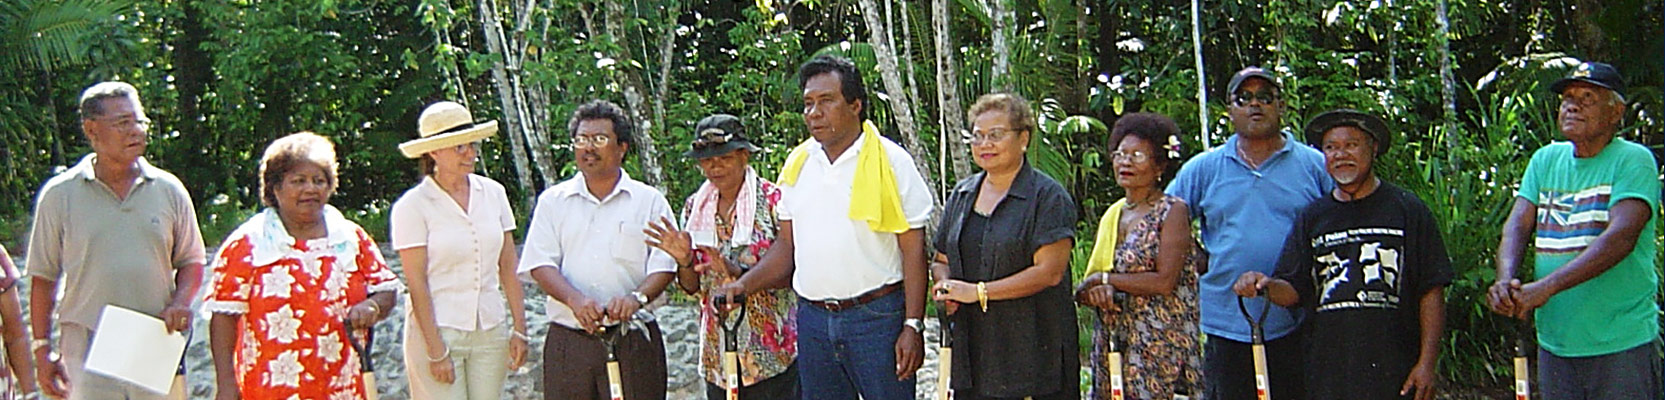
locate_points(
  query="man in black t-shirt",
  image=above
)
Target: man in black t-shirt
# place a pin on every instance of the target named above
(1369, 262)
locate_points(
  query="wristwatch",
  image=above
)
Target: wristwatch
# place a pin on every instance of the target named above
(918, 324)
(640, 298)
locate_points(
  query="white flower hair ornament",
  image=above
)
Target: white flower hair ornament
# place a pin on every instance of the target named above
(1173, 147)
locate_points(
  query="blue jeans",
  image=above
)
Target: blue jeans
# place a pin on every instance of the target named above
(843, 353)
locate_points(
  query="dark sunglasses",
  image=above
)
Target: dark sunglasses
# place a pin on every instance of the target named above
(1242, 99)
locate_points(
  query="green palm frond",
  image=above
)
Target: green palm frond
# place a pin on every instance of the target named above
(49, 34)
(1047, 149)
(977, 9)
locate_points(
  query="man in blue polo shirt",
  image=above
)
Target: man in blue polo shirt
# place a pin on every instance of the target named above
(1247, 194)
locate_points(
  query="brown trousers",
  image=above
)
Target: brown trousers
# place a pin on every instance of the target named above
(575, 365)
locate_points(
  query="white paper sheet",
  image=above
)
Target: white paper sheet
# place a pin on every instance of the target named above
(135, 348)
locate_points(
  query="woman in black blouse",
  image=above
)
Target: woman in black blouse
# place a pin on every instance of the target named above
(1003, 250)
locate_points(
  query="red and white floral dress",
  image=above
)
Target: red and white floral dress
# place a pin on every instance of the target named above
(292, 298)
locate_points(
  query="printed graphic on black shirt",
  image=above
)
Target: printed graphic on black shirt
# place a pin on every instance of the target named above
(1359, 268)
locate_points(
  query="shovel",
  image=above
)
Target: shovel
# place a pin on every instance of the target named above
(731, 343)
(945, 355)
(1113, 355)
(610, 336)
(1263, 391)
(1523, 377)
(366, 365)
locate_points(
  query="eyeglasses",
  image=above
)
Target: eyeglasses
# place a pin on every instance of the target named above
(590, 141)
(300, 181)
(126, 122)
(1242, 99)
(1129, 156)
(466, 146)
(713, 137)
(990, 136)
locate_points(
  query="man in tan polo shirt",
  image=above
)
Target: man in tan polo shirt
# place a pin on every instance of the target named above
(112, 230)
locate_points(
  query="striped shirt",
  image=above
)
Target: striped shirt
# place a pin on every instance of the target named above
(1614, 311)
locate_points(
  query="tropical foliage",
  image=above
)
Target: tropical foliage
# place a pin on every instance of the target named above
(1461, 80)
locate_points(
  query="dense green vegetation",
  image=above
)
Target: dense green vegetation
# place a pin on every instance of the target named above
(1462, 80)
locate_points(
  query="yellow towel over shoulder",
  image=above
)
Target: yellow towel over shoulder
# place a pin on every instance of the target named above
(874, 196)
(1104, 244)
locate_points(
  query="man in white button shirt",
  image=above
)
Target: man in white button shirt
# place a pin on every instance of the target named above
(586, 249)
(862, 289)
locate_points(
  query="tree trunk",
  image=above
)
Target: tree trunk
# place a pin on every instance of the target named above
(634, 93)
(448, 68)
(907, 48)
(52, 123)
(533, 115)
(1001, 31)
(667, 45)
(1203, 136)
(533, 102)
(951, 116)
(1591, 38)
(1448, 88)
(514, 125)
(899, 102)
(192, 72)
(537, 105)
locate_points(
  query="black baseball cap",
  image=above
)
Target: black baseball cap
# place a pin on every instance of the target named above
(1250, 72)
(1595, 73)
(717, 135)
(1371, 124)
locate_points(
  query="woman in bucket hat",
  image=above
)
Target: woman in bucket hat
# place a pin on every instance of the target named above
(466, 326)
(729, 223)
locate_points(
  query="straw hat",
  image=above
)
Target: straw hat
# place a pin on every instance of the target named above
(445, 124)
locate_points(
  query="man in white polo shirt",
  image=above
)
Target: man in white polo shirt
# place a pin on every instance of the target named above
(586, 249)
(859, 206)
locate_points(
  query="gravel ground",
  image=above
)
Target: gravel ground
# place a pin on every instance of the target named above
(677, 321)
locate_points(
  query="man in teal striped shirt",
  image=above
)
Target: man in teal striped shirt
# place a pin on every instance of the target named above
(1587, 205)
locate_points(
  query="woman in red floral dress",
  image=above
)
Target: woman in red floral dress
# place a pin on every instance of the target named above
(290, 282)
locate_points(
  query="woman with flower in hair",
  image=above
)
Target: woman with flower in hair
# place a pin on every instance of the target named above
(1144, 248)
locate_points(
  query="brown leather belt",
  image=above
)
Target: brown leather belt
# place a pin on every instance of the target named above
(864, 298)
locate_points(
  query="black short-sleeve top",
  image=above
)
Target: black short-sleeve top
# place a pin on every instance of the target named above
(1019, 347)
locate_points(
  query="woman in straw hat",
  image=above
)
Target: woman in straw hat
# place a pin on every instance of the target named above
(466, 326)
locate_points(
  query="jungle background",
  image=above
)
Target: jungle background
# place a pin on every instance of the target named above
(1463, 82)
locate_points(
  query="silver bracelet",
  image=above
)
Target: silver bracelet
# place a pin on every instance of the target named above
(442, 357)
(522, 335)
